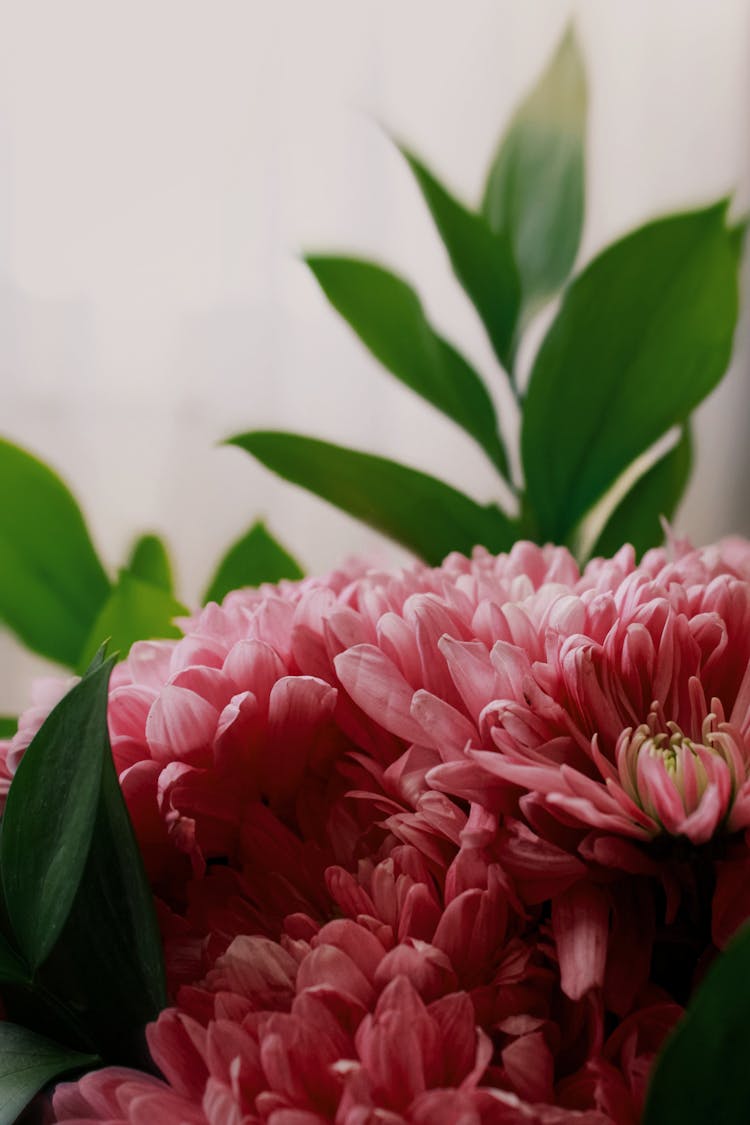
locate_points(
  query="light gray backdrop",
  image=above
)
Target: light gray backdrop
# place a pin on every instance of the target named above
(163, 163)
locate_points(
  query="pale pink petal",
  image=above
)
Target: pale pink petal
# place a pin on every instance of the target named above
(580, 924)
(181, 725)
(378, 687)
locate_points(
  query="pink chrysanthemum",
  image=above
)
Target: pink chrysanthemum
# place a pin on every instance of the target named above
(606, 718)
(435, 845)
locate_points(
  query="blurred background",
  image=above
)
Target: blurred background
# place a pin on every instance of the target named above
(166, 161)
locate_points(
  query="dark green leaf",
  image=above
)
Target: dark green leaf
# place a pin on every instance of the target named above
(12, 966)
(738, 235)
(52, 584)
(50, 815)
(254, 559)
(482, 260)
(637, 518)
(27, 1063)
(108, 964)
(426, 515)
(535, 188)
(134, 611)
(702, 1073)
(98, 658)
(8, 726)
(149, 561)
(643, 334)
(388, 317)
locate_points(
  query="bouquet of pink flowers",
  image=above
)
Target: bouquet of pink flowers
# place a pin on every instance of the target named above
(428, 845)
(460, 843)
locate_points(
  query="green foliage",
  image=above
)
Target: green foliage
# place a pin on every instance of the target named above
(149, 561)
(481, 257)
(423, 513)
(8, 726)
(388, 317)
(637, 518)
(109, 962)
(535, 187)
(254, 559)
(644, 332)
(642, 336)
(702, 1073)
(134, 611)
(27, 1063)
(82, 955)
(52, 584)
(50, 814)
(13, 968)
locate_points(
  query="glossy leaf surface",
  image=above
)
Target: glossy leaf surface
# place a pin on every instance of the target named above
(27, 1063)
(482, 260)
(535, 188)
(417, 510)
(388, 317)
(50, 814)
(149, 561)
(134, 611)
(637, 518)
(52, 584)
(254, 559)
(702, 1074)
(641, 337)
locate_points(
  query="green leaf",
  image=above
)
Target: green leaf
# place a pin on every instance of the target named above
(50, 814)
(535, 187)
(149, 561)
(13, 969)
(52, 583)
(738, 235)
(27, 1063)
(254, 559)
(108, 965)
(388, 317)
(424, 514)
(642, 336)
(702, 1073)
(8, 726)
(134, 611)
(482, 260)
(637, 518)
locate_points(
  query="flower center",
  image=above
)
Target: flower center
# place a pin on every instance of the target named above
(668, 747)
(685, 785)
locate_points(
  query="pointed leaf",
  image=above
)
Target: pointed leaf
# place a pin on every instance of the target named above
(12, 967)
(637, 518)
(149, 561)
(388, 317)
(482, 260)
(50, 815)
(702, 1074)
(109, 962)
(134, 611)
(426, 515)
(52, 583)
(98, 658)
(8, 726)
(254, 559)
(642, 336)
(27, 1063)
(535, 188)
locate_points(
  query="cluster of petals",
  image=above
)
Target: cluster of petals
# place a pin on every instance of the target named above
(417, 837)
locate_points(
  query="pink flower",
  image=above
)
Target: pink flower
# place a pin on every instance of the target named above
(436, 845)
(338, 1026)
(610, 717)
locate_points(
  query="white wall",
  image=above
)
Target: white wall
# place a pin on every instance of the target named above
(165, 160)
